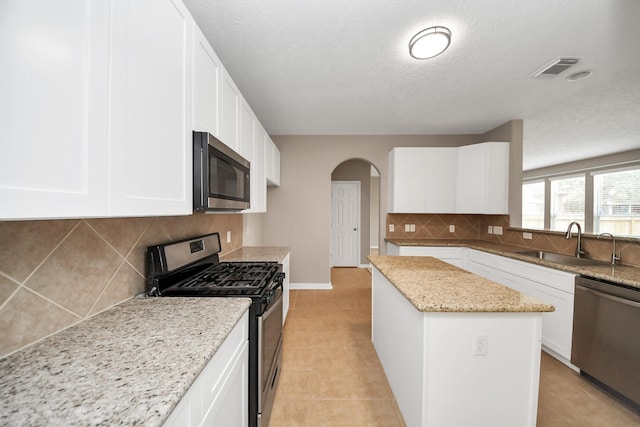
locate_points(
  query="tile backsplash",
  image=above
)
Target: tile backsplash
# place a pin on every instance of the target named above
(437, 226)
(57, 273)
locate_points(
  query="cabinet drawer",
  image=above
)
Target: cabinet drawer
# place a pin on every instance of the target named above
(483, 258)
(547, 276)
(436, 252)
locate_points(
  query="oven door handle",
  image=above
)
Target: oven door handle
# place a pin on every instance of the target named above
(279, 282)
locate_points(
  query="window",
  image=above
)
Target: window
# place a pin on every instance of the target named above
(533, 205)
(567, 202)
(616, 203)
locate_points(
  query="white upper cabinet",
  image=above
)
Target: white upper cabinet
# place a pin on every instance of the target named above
(207, 71)
(422, 180)
(54, 121)
(258, 178)
(272, 162)
(151, 109)
(246, 137)
(99, 118)
(472, 179)
(251, 147)
(230, 112)
(101, 99)
(482, 184)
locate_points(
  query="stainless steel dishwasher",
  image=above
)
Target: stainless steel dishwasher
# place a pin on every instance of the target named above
(606, 341)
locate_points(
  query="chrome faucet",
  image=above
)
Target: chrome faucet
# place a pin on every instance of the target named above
(614, 257)
(567, 236)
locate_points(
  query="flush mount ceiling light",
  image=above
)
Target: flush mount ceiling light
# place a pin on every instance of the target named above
(430, 42)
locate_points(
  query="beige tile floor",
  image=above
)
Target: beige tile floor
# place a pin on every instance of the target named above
(331, 375)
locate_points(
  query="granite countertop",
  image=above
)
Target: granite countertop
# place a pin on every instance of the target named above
(257, 253)
(127, 366)
(623, 274)
(432, 285)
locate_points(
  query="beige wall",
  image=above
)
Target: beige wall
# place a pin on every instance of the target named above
(299, 211)
(57, 273)
(512, 132)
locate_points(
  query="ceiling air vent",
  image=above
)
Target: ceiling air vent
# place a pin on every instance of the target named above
(556, 67)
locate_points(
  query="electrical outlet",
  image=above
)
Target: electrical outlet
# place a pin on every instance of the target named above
(228, 237)
(480, 345)
(527, 236)
(452, 228)
(392, 228)
(407, 228)
(413, 228)
(490, 229)
(497, 229)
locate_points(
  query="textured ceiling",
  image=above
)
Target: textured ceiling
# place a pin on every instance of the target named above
(342, 67)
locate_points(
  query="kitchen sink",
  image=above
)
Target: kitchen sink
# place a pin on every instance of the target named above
(563, 259)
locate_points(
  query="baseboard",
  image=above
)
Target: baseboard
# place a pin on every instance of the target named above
(310, 286)
(364, 266)
(560, 358)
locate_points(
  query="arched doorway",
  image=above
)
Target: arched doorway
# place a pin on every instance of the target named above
(355, 198)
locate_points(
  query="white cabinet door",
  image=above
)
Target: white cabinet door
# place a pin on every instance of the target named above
(285, 285)
(272, 162)
(246, 137)
(422, 180)
(219, 396)
(231, 405)
(557, 326)
(207, 70)
(551, 286)
(258, 179)
(230, 112)
(482, 182)
(53, 126)
(151, 109)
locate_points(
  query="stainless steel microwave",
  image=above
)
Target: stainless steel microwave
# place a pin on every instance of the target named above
(221, 177)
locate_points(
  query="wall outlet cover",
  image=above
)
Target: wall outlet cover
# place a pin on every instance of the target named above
(407, 228)
(228, 237)
(452, 228)
(490, 229)
(392, 228)
(497, 229)
(413, 228)
(527, 236)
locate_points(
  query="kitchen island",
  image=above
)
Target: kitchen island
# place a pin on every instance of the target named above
(457, 349)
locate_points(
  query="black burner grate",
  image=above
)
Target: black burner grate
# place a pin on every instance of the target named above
(230, 277)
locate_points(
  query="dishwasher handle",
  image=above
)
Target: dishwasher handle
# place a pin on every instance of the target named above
(610, 297)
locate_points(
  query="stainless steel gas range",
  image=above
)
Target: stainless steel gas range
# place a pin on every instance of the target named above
(191, 268)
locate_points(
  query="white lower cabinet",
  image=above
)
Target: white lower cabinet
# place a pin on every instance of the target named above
(219, 396)
(546, 284)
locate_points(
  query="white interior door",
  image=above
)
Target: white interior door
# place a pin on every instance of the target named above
(345, 223)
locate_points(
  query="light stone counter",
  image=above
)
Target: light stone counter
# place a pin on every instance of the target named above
(127, 366)
(620, 273)
(432, 285)
(257, 253)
